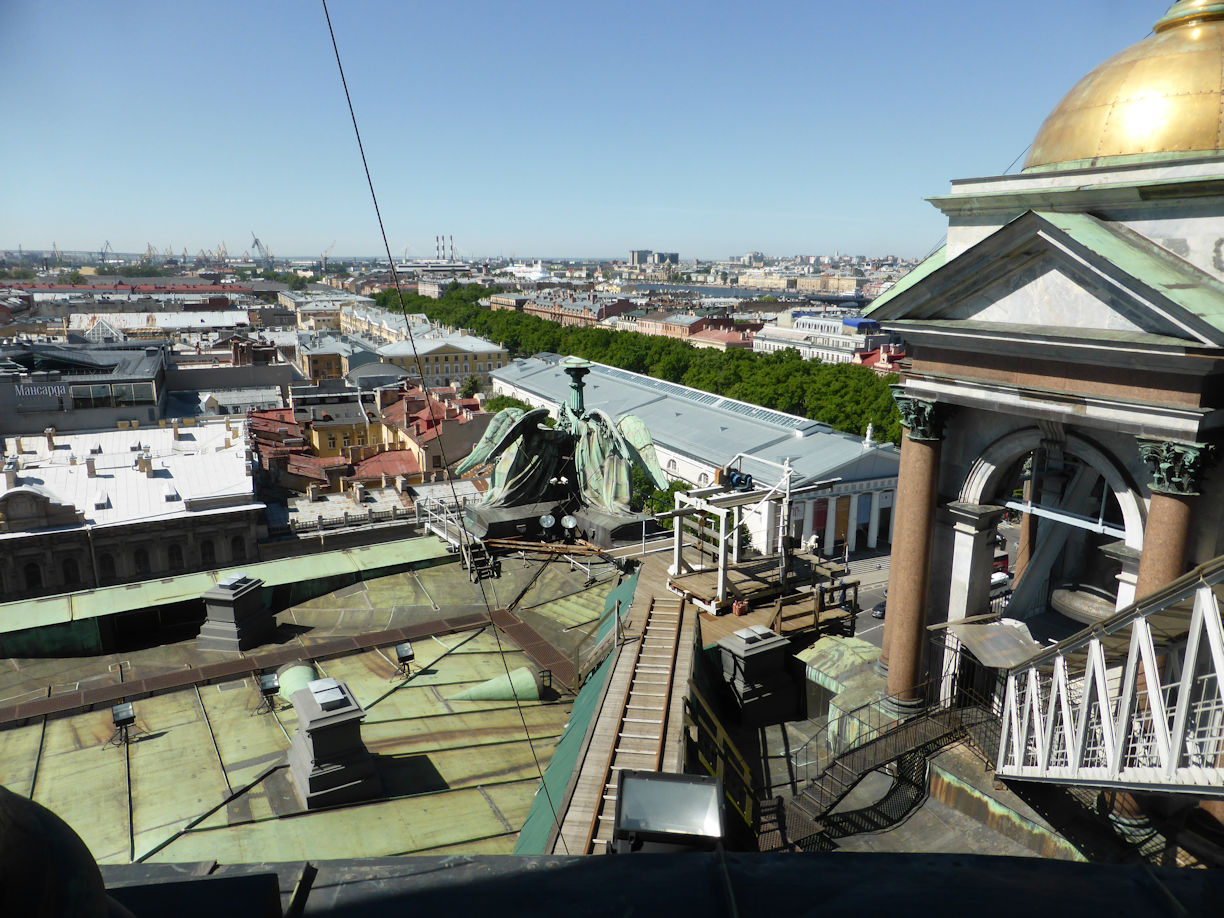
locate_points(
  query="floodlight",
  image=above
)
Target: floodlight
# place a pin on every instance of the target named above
(548, 521)
(269, 687)
(124, 717)
(568, 522)
(666, 812)
(404, 657)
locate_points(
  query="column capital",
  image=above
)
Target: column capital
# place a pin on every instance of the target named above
(1177, 468)
(922, 418)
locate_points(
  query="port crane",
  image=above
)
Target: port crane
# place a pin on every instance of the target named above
(264, 253)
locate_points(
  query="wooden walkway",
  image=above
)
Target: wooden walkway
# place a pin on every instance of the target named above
(636, 726)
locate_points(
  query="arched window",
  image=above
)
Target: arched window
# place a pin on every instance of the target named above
(671, 465)
(208, 554)
(238, 548)
(703, 479)
(106, 567)
(72, 572)
(33, 576)
(175, 555)
(141, 559)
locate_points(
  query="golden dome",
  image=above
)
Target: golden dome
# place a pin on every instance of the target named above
(1162, 98)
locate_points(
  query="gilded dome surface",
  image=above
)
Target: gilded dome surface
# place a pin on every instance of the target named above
(1162, 98)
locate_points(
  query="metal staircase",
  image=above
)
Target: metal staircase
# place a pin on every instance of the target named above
(868, 739)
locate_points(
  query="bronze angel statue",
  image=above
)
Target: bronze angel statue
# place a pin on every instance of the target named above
(581, 467)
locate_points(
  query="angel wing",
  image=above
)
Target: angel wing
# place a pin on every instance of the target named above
(506, 427)
(636, 437)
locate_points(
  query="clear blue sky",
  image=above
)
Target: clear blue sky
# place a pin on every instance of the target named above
(532, 128)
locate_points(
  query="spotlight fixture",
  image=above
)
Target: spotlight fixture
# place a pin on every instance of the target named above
(123, 716)
(404, 655)
(568, 522)
(269, 687)
(665, 812)
(548, 521)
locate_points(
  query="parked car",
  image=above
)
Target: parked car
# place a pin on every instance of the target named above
(1000, 584)
(877, 611)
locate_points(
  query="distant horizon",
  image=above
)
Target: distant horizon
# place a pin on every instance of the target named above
(540, 127)
(526, 259)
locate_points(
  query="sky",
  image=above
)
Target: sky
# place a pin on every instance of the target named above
(528, 129)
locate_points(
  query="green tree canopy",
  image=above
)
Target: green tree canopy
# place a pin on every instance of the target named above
(844, 396)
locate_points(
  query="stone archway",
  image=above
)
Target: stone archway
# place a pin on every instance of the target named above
(974, 517)
(984, 476)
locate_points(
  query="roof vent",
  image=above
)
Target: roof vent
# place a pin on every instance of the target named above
(328, 694)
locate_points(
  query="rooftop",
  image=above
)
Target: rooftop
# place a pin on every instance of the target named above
(206, 779)
(204, 465)
(711, 428)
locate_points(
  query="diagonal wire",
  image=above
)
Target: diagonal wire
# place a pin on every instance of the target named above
(433, 417)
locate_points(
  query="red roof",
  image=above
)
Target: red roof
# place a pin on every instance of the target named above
(393, 462)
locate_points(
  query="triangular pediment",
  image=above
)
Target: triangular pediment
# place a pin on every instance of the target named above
(1065, 275)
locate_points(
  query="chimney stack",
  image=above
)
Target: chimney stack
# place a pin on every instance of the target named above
(10, 473)
(91, 467)
(50, 432)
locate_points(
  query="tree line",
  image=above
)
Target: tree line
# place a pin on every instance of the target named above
(844, 396)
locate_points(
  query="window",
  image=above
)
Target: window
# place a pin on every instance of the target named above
(72, 572)
(91, 396)
(141, 559)
(238, 548)
(175, 554)
(33, 576)
(106, 567)
(348, 441)
(208, 553)
(437, 462)
(331, 441)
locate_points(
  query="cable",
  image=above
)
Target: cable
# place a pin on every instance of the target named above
(1017, 159)
(399, 292)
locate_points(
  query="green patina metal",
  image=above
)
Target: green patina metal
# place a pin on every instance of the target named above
(586, 460)
(517, 684)
(547, 806)
(922, 419)
(965, 797)
(929, 265)
(306, 577)
(294, 678)
(1198, 295)
(1177, 468)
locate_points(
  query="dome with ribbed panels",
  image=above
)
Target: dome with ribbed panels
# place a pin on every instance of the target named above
(1160, 99)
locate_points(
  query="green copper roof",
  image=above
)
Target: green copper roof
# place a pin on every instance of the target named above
(1184, 304)
(920, 272)
(350, 562)
(1191, 288)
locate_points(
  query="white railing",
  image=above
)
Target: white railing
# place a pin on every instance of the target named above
(1153, 720)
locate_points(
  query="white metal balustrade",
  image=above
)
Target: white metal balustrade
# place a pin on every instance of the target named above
(1132, 703)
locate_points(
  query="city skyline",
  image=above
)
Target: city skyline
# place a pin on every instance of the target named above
(545, 131)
